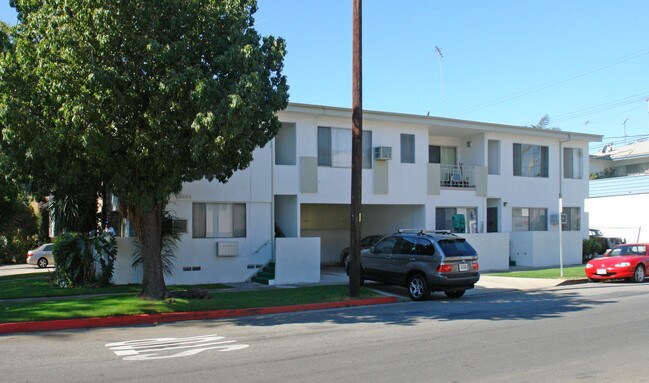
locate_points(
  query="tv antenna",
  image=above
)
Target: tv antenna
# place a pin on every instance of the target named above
(441, 77)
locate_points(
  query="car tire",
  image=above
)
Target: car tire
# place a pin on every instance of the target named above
(42, 263)
(343, 258)
(639, 274)
(454, 294)
(418, 288)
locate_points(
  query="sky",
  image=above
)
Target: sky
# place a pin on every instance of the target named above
(584, 63)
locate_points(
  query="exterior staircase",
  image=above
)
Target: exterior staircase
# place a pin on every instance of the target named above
(266, 274)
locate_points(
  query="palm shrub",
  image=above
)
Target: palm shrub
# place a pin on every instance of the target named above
(76, 256)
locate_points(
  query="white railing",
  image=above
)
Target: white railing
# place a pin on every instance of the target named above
(457, 176)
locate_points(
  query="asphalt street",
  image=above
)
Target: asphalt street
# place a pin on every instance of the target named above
(592, 332)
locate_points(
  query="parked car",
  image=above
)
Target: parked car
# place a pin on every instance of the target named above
(366, 243)
(41, 256)
(606, 242)
(423, 262)
(628, 261)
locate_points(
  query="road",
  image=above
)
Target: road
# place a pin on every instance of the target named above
(591, 332)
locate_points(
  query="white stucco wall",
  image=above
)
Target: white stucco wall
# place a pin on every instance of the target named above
(492, 248)
(297, 261)
(541, 248)
(621, 216)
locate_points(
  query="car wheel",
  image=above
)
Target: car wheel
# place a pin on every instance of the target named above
(639, 274)
(454, 294)
(343, 258)
(42, 263)
(418, 288)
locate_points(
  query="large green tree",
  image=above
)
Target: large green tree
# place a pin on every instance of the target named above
(141, 96)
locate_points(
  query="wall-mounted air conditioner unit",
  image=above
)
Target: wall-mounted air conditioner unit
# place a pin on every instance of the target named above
(227, 249)
(383, 153)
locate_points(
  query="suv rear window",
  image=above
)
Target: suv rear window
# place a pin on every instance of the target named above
(456, 247)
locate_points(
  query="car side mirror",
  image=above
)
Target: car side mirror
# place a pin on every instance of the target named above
(373, 250)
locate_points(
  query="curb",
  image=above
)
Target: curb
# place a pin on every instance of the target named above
(569, 282)
(116, 321)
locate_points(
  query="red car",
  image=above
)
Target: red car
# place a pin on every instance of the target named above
(629, 261)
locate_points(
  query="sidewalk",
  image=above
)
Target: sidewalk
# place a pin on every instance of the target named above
(328, 276)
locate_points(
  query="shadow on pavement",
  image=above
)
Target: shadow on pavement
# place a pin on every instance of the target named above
(528, 305)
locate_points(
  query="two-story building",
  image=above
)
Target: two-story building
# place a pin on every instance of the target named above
(497, 185)
(618, 202)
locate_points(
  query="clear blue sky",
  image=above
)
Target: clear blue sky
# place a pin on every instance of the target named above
(585, 63)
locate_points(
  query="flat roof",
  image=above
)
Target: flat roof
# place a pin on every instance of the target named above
(432, 122)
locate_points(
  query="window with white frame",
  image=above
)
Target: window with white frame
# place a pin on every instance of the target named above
(218, 220)
(529, 219)
(572, 221)
(530, 160)
(407, 148)
(573, 159)
(335, 147)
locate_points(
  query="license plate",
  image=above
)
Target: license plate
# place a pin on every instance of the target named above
(464, 267)
(601, 271)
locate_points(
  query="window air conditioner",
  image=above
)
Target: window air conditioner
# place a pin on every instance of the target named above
(383, 153)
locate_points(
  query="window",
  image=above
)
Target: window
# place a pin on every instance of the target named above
(572, 163)
(572, 220)
(425, 247)
(530, 219)
(335, 147)
(530, 160)
(386, 246)
(493, 157)
(179, 226)
(285, 145)
(219, 220)
(457, 219)
(445, 155)
(407, 148)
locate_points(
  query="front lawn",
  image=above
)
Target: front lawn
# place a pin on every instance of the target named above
(102, 306)
(571, 272)
(37, 286)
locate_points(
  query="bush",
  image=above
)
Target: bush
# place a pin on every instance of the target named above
(76, 256)
(590, 248)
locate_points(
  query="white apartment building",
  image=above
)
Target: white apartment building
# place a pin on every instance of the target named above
(496, 185)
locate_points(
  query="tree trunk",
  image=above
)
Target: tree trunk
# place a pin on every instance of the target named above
(148, 226)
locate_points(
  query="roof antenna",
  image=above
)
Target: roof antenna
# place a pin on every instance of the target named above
(441, 77)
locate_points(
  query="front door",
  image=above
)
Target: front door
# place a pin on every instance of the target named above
(492, 220)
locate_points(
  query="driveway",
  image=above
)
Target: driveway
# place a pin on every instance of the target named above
(22, 268)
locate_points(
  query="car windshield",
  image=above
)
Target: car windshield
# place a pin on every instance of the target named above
(456, 247)
(628, 250)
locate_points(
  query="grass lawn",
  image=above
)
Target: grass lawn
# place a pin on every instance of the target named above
(37, 286)
(130, 305)
(572, 272)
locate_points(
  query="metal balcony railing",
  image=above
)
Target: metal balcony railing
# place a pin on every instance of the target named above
(457, 176)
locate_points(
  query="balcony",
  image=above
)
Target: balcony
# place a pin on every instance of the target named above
(457, 176)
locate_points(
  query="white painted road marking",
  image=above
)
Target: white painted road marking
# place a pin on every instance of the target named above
(163, 348)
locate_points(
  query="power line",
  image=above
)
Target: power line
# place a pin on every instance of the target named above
(559, 81)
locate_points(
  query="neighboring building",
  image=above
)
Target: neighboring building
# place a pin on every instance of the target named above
(618, 202)
(497, 185)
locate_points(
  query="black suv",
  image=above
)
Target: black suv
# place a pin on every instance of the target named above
(422, 261)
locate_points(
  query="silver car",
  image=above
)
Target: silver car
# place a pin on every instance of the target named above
(41, 256)
(422, 261)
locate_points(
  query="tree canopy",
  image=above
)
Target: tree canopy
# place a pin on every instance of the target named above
(138, 96)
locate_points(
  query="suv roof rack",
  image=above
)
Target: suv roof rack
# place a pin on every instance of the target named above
(424, 231)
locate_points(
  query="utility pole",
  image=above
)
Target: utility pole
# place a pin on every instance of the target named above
(441, 79)
(357, 151)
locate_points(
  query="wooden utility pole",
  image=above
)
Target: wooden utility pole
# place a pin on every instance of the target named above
(357, 150)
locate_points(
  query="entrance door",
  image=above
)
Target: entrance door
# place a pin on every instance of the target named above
(492, 220)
